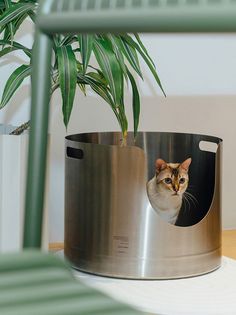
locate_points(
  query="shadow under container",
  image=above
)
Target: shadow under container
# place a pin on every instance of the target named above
(111, 229)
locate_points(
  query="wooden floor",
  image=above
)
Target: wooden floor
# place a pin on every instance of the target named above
(228, 244)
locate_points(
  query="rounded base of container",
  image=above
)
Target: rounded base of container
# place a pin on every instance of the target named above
(151, 278)
(137, 269)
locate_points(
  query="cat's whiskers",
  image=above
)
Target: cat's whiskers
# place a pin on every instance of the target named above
(192, 198)
(189, 201)
(186, 202)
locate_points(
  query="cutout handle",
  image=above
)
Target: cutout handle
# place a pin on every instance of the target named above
(75, 153)
(208, 146)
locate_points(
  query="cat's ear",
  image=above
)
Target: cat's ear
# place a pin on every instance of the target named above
(160, 165)
(185, 165)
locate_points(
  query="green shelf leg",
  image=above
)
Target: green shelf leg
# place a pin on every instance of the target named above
(41, 85)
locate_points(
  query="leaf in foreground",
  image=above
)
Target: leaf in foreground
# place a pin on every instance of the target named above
(129, 40)
(136, 103)
(14, 12)
(86, 46)
(14, 82)
(13, 46)
(110, 68)
(67, 66)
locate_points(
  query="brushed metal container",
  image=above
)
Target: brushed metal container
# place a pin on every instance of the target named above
(111, 228)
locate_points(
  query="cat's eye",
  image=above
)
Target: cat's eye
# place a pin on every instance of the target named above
(168, 180)
(182, 180)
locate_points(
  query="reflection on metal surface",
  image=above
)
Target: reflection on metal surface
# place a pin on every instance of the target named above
(146, 240)
(110, 226)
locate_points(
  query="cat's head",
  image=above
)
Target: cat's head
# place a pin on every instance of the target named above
(172, 178)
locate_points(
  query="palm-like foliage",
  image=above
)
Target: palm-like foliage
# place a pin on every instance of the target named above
(117, 57)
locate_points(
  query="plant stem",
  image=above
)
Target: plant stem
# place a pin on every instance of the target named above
(19, 130)
(124, 139)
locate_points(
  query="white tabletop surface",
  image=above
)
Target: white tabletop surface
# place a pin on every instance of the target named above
(210, 294)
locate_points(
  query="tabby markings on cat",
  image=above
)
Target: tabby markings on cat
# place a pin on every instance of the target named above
(167, 187)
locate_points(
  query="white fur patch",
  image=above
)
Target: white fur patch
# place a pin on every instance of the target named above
(164, 202)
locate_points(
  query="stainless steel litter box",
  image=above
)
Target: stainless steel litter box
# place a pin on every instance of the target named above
(111, 228)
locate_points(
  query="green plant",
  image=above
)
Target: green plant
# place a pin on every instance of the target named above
(117, 57)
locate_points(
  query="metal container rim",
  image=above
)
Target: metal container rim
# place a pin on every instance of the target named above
(80, 137)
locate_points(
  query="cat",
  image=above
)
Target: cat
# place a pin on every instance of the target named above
(165, 190)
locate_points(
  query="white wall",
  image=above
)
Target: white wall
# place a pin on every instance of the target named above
(198, 74)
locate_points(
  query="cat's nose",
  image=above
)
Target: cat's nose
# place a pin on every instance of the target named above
(176, 188)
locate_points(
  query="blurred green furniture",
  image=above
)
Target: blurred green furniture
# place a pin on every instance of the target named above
(74, 16)
(33, 283)
(37, 283)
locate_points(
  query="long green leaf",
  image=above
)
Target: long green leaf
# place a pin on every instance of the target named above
(7, 33)
(32, 1)
(118, 53)
(144, 49)
(86, 47)
(14, 82)
(129, 40)
(136, 103)
(14, 12)
(18, 22)
(68, 40)
(6, 51)
(67, 66)
(130, 54)
(8, 5)
(123, 121)
(98, 77)
(2, 5)
(54, 87)
(83, 88)
(121, 112)
(110, 68)
(14, 46)
(32, 15)
(99, 88)
(103, 92)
